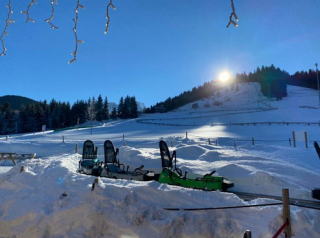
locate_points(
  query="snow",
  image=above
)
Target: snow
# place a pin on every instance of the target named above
(50, 199)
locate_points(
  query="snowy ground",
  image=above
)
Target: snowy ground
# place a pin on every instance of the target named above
(33, 204)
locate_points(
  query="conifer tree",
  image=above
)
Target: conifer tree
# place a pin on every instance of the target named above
(121, 108)
(99, 109)
(91, 112)
(133, 107)
(105, 109)
(114, 114)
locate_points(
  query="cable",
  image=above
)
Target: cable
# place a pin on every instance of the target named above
(75, 20)
(107, 16)
(28, 10)
(233, 14)
(52, 15)
(4, 33)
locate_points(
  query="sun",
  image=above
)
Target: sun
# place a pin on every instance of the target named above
(224, 76)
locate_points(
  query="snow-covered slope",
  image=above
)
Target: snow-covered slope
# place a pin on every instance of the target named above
(33, 204)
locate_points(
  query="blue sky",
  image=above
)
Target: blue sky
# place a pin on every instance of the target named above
(154, 49)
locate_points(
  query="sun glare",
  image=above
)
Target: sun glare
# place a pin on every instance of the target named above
(224, 76)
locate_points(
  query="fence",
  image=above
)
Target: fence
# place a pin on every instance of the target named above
(158, 122)
(221, 141)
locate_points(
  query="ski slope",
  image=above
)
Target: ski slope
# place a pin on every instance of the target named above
(50, 199)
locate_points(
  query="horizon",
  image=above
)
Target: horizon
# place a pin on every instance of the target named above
(164, 46)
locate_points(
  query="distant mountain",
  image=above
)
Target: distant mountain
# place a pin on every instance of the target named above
(16, 101)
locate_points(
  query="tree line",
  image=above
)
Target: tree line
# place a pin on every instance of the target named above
(58, 115)
(273, 83)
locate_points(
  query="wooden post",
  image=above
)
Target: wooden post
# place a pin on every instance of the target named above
(217, 141)
(306, 138)
(235, 144)
(186, 135)
(62, 139)
(294, 138)
(96, 180)
(76, 149)
(252, 141)
(209, 141)
(247, 234)
(286, 211)
(6, 137)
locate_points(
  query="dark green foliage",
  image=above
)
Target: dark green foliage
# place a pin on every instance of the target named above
(99, 109)
(266, 76)
(58, 115)
(206, 90)
(128, 108)
(78, 112)
(306, 79)
(16, 101)
(121, 108)
(273, 81)
(114, 114)
(105, 110)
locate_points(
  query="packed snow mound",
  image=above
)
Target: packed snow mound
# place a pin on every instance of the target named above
(58, 202)
(190, 152)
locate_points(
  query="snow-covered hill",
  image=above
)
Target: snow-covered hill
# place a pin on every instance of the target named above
(49, 199)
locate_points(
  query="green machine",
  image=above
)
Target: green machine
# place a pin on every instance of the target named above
(174, 175)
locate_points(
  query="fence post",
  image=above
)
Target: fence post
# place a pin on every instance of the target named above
(76, 149)
(294, 138)
(62, 139)
(217, 141)
(252, 141)
(247, 234)
(306, 138)
(186, 135)
(209, 141)
(6, 137)
(95, 181)
(286, 211)
(235, 144)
